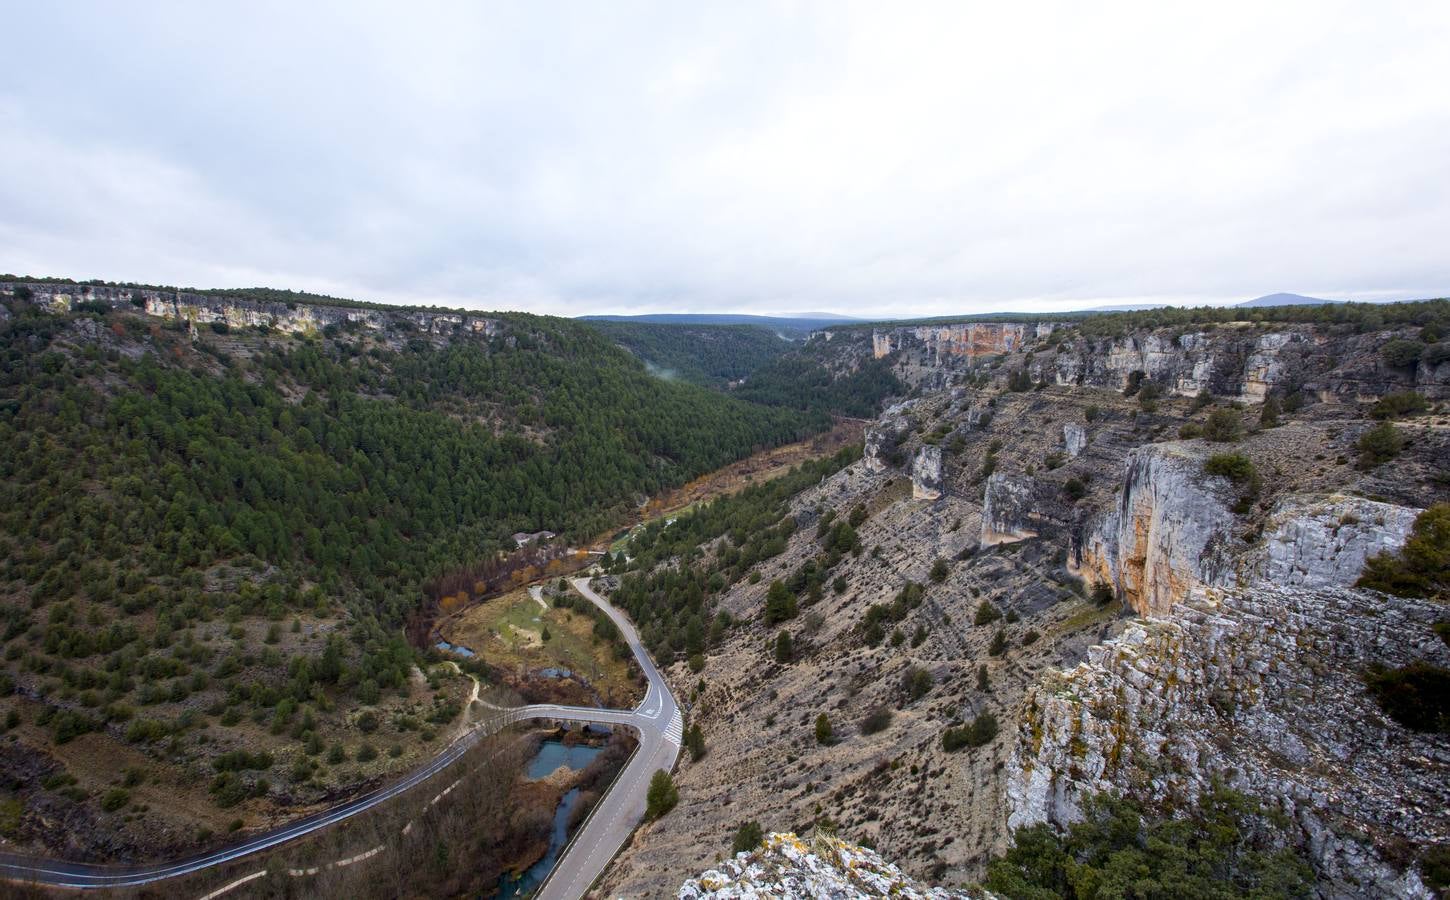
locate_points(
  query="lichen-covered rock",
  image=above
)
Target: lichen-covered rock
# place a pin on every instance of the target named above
(1074, 439)
(1262, 688)
(1169, 533)
(926, 473)
(1324, 541)
(1007, 509)
(823, 867)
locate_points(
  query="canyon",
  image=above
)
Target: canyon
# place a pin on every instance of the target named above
(1231, 648)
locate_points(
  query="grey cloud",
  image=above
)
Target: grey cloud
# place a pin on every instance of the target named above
(569, 158)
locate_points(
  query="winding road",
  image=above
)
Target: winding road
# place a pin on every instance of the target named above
(657, 719)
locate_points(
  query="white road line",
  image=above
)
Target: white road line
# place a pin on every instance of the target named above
(366, 854)
(235, 884)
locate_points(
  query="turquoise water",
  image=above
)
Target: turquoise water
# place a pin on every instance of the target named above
(551, 755)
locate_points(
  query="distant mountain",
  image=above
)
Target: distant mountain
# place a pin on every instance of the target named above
(1286, 300)
(1125, 307)
(787, 326)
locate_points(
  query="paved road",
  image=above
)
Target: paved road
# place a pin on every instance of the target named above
(657, 719)
(660, 725)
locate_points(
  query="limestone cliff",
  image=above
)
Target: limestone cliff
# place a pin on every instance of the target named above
(1261, 688)
(1325, 541)
(1241, 360)
(926, 473)
(938, 344)
(242, 312)
(1007, 509)
(1170, 531)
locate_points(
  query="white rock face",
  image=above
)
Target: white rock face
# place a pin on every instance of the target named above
(1074, 439)
(1324, 541)
(825, 868)
(882, 437)
(926, 473)
(1261, 687)
(1007, 509)
(1170, 532)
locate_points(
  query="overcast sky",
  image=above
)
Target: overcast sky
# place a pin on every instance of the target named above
(874, 159)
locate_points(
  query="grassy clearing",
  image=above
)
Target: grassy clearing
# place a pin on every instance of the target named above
(1090, 614)
(508, 632)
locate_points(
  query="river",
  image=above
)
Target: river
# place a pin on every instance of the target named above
(551, 755)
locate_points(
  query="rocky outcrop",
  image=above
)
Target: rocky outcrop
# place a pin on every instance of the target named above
(1169, 533)
(1325, 541)
(883, 437)
(1242, 360)
(926, 473)
(822, 867)
(1007, 509)
(241, 312)
(1074, 439)
(938, 344)
(1261, 688)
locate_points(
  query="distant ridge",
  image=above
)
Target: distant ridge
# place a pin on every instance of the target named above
(721, 318)
(1286, 300)
(790, 327)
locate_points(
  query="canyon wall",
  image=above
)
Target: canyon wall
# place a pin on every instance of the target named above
(242, 312)
(965, 340)
(1240, 360)
(1171, 531)
(1261, 688)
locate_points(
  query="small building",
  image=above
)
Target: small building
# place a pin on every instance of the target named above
(524, 538)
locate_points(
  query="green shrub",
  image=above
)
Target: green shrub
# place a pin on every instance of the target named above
(661, 796)
(114, 799)
(824, 733)
(747, 837)
(1234, 466)
(999, 643)
(1227, 846)
(1074, 489)
(986, 614)
(979, 733)
(1436, 354)
(784, 650)
(227, 790)
(1400, 354)
(939, 571)
(1422, 567)
(878, 719)
(1379, 445)
(1417, 695)
(1435, 866)
(11, 809)
(916, 682)
(1224, 426)
(1402, 403)
(1269, 412)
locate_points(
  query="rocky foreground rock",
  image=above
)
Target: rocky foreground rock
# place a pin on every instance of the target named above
(822, 867)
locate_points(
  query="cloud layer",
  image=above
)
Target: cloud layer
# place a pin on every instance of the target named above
(873, 159)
